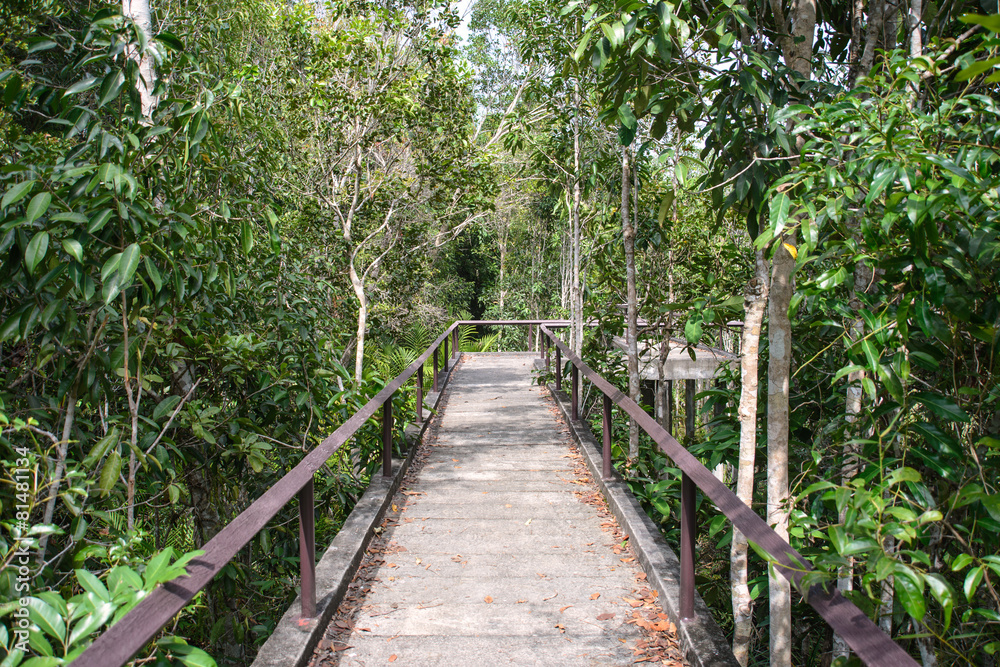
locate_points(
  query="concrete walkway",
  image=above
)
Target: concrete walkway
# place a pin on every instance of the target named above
(498, 550)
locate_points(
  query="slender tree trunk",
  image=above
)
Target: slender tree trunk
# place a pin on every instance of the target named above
(138, 11)
(576, 291)
(359, 346)
(754, 302)
(852, 408)
(876, 21)
(631, 304)
(62, 450)
(778, 374)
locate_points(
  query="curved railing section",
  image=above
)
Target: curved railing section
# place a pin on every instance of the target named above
(865, 638)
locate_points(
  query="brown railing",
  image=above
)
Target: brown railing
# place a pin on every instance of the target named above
(865, 638)
(127, 637)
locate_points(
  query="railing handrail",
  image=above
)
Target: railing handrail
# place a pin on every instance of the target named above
(865, 638)
(120, 642)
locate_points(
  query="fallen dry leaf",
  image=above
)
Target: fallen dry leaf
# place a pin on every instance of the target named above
(606, 616)
(521, 601)
(488, 599)
(565, 608)
(392, 658)
(595, 596)
(550, 597)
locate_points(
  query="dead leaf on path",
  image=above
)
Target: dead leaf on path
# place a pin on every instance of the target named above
(633, 602)
(565, 608)
(550, 597)
(641, 576)
(595, 596)
(488, 599)
(606, 616)
(392, 658)
(521, 601)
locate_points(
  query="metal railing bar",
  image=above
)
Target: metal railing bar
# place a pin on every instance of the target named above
(121, 641)
(864, 637)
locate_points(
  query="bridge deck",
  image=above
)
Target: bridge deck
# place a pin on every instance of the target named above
(498, 549)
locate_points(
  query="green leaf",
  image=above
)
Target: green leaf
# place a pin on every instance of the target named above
(38, 247)
(246, 237)
(976, 69)
(16, 193)
(109, 473)
(170, 40)
(98, 616)
(883, 177)
(943, 593)
(582, 46)
(626, 116)
(157, 568)
(972, 581)
(99, 220)
(779, 212)
(37, 207)
(111, 265)
(871, 355)
(110, 87)
(92, 584)
(153, 272)
(129, 263)
(910, 591)
(74, 249)
(186, 654)
(47, 618)
(991, 23)
(81, 86)
(98, 451)
(943, 406)
(165, 407)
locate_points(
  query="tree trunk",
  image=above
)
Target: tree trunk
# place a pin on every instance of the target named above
(754, 302)
(359, 349)
(576, 289)
(61, 450)
(852, 408)
(631, 305)
(138, 11)
(778, 374)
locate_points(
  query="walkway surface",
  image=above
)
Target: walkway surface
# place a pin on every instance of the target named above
(499, 549)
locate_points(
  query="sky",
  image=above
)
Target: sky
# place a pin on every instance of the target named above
(464, 9)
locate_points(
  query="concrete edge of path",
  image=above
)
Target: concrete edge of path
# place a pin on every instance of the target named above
(702, 641)
(292, 644)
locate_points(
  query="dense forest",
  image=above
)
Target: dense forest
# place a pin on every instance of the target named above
(224, 226)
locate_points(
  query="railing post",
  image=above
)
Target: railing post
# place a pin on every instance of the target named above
(607, 438)
(575, 392)
(545, 354)
(531, 337)
(454, 343)
(420, 395)
(444, 361)
(689, 534)
(689, 410)
(558, 369)
(436, 370)
(307, 550)
(387, 437)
